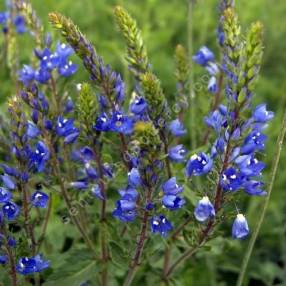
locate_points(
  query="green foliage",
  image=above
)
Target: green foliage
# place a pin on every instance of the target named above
(76, 268)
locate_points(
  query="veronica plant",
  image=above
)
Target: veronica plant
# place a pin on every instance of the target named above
(116, 163)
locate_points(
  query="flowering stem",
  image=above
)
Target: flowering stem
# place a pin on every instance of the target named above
(217, 202)
(45, 225)
(28, 226)
(103, 234)
(140, 243)
(266, 203)
(13, 273)
(169, 173)
(13, 267)
(67, 200)
(215, 104)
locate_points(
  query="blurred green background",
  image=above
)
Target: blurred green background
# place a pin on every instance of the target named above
(164, 25)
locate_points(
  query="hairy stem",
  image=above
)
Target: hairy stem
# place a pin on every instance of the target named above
(75, 219)
(45, 224)
(275, 164)
(103, 233)
(138, 252)
(11, 256)
(140, 243)
(28, 226)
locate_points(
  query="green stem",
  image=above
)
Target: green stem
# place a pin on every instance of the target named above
(103, 226)
(266, 203)
(192, 92)
(45, 224)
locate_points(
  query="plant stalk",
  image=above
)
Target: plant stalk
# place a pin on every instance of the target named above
(275, 164)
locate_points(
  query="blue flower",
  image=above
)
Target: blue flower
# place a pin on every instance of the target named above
(119, 88)
(177, 153)
(199, 164)
(48, 60)
(134, 179)
(218, 147)
(96, 192)
(171, 187)
(126, 204)
(32, 130)
(177, 128)
(107, 170)
(121, 123)
(67, 69)
(10, 170)
(254, 188)
(212, 85)
(173, 202)
(126, 207)
(124, 216)
(40, 156)
(4, 16)
(90, 170)
(10, 210)
(34, 264)
(12, 241)
(63, 51)
(231, 180)
(253, 142)
(80, 184)
(69, 105)
(8, 182)
(102, 122)
(138, 105)
(203, 56)
(161, 225)
(3, 259)
(20, 24)
(65, 128)
(249, 166)
(240, 228)
(42, 75)
(26, 75)
(204, 209)
(129, 193)
(5, 195)
(212, 68)
(260, 114)
(216, 120)
(39, 199)
(86, 154)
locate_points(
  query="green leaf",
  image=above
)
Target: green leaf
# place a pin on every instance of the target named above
(77, 268)
(119, 256)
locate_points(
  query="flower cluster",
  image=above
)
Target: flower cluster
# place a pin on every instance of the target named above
(239, 141)
(48, 61)
(18, 22)
(205, 57)
(31, 265)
